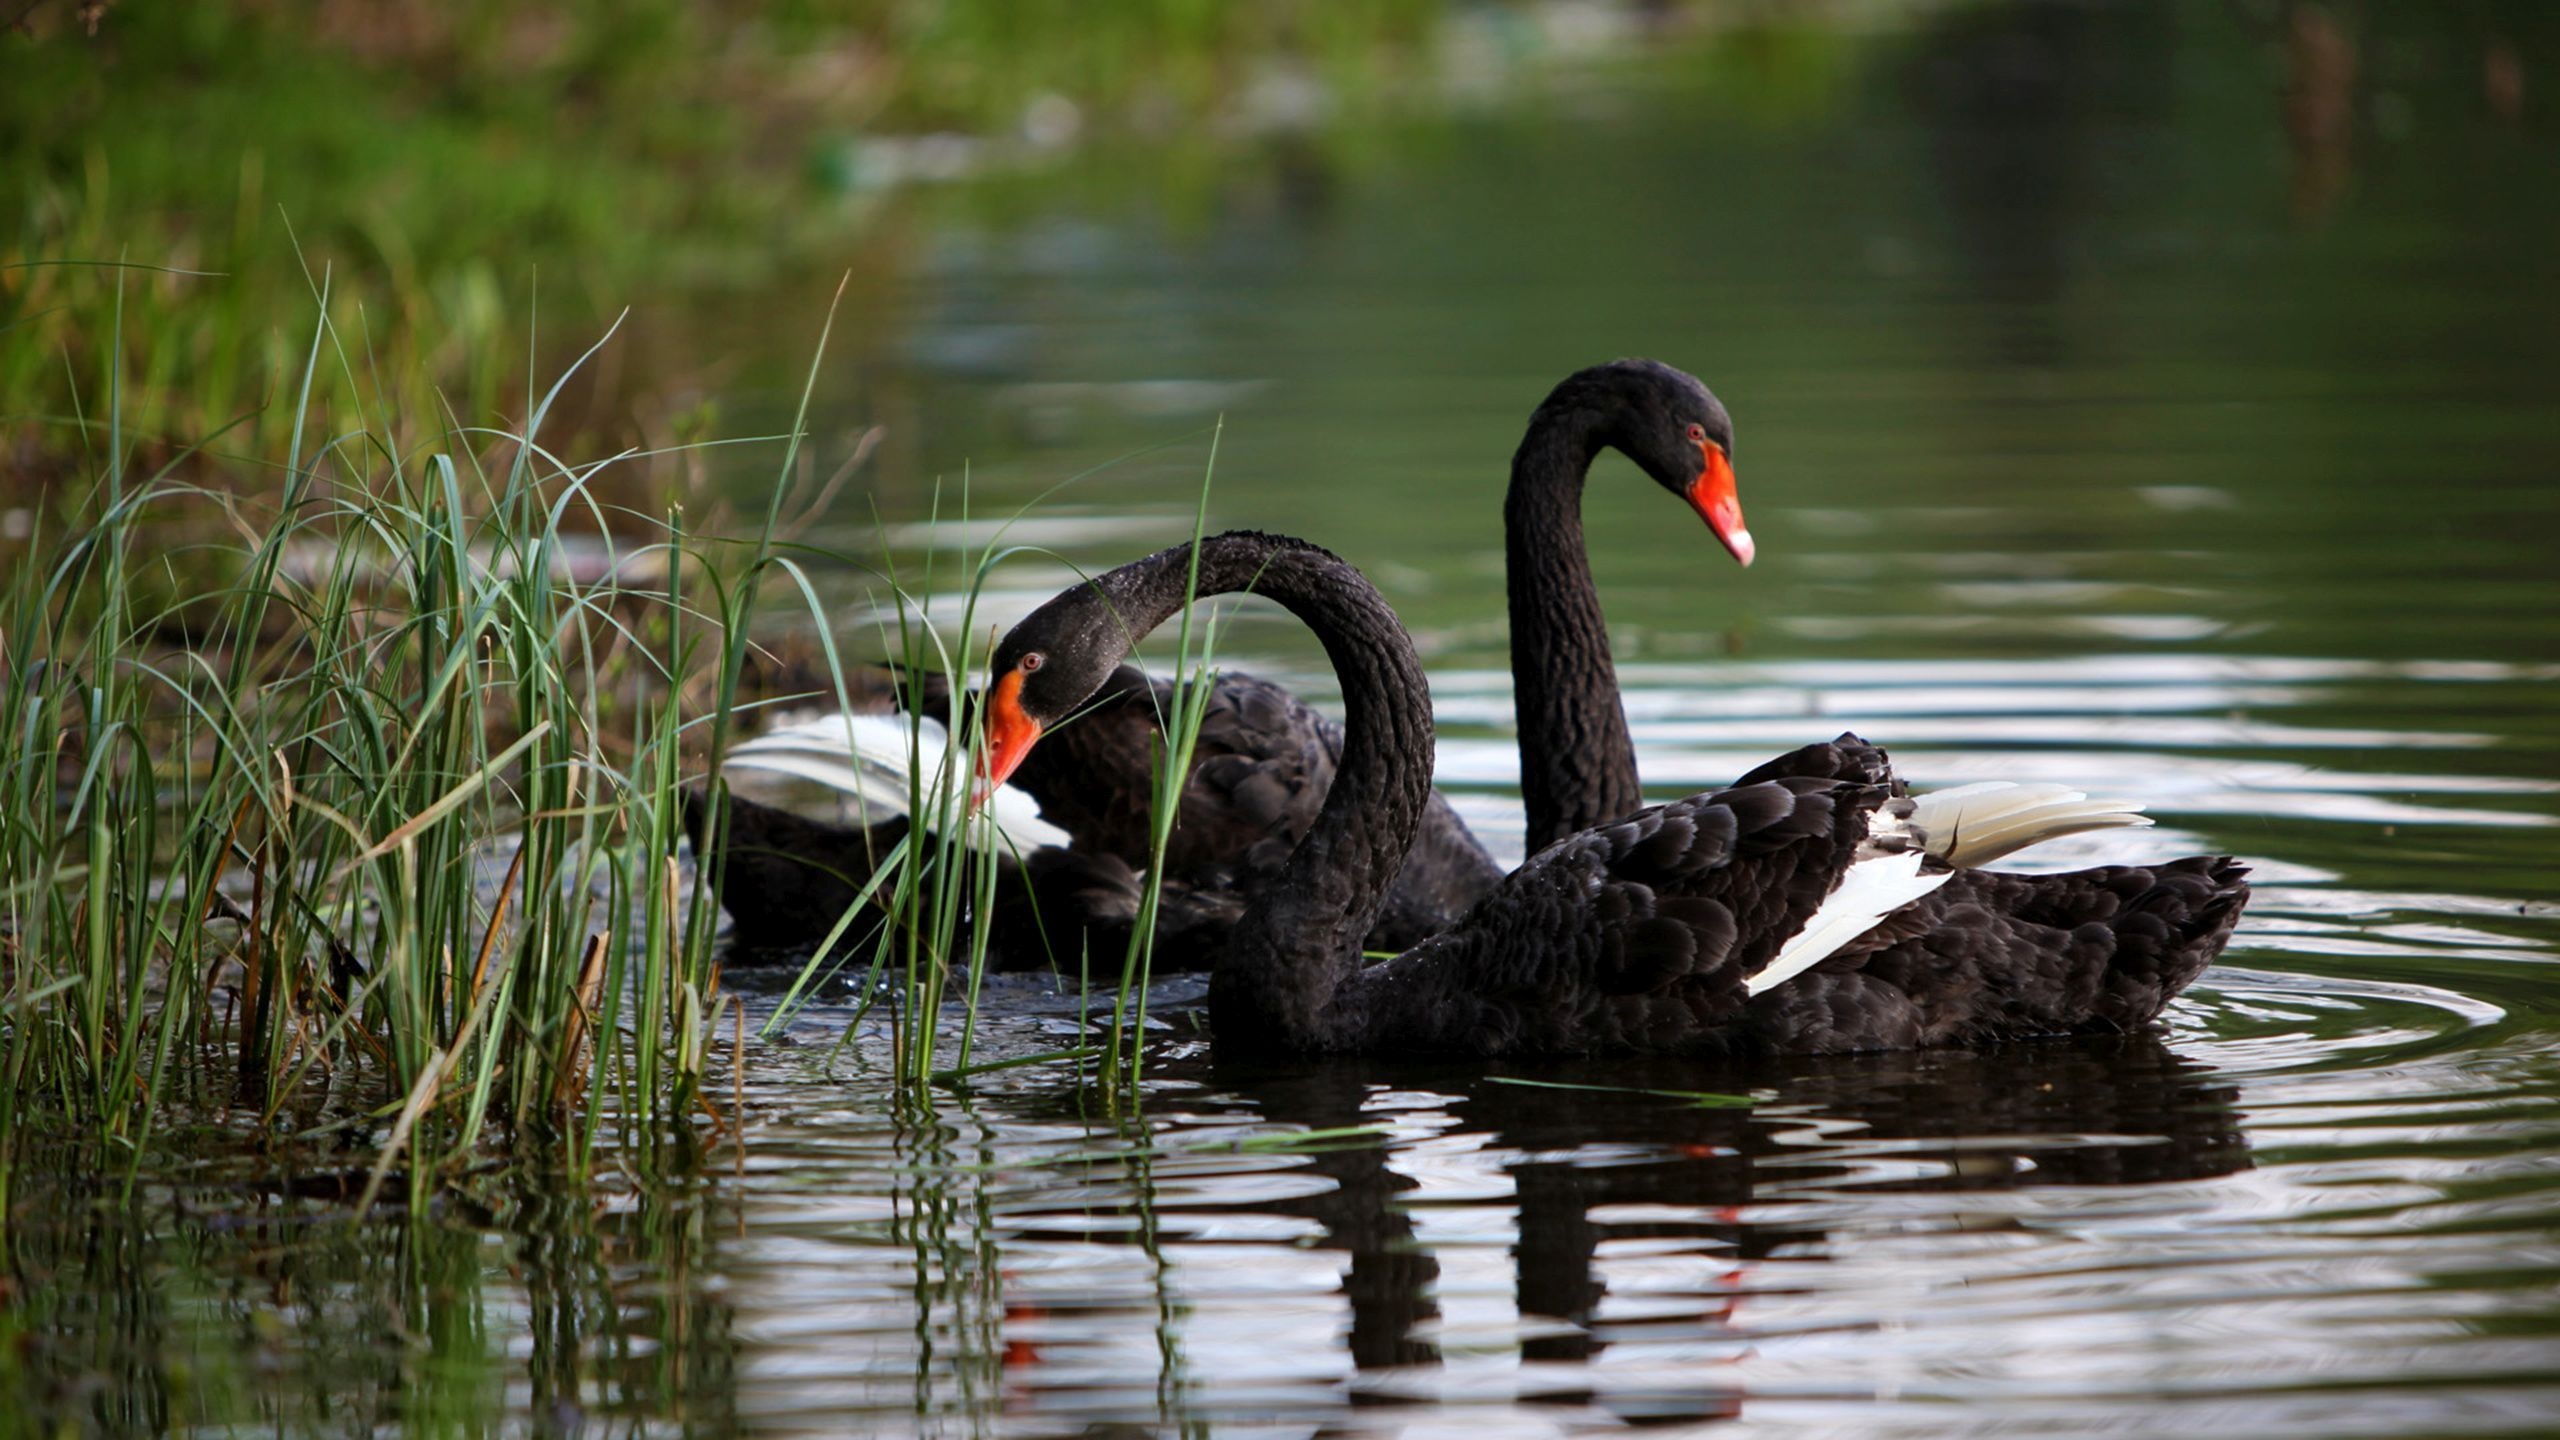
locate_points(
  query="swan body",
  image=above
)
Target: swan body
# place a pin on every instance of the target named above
(1808, 907)
(1073, 836)
(1768, 917)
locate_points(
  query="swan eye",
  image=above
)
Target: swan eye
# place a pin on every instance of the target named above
(1031, 662)
(1698, 434)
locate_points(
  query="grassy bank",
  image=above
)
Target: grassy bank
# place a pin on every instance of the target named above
(473, 155)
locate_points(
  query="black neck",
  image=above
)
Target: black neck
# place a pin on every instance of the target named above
(1577, 762)
(1300, 939)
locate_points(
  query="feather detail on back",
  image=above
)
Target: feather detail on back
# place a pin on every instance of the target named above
(1972, 825)
(872, 759)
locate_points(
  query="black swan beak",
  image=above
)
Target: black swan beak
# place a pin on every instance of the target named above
(1713, 496)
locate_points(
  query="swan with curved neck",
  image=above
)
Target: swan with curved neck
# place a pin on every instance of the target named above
(1267, 759)
(1800, 909)
(1577, 762)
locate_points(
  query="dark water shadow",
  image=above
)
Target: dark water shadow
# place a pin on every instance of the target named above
(2120, 1112)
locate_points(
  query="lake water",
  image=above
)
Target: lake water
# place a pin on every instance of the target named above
(2102, 417)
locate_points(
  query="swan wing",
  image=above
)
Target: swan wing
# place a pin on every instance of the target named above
(863, 756)
(877, 758)
(1972, 825)
(1967, 825)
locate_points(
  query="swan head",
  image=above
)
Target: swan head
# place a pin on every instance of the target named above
(1675, 430)
(1011, 731)
(1046, 666)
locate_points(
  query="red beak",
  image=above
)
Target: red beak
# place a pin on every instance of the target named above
(1712, 495)
(1010, 735)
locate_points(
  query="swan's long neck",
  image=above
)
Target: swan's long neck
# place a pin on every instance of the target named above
(1300, 939)
(1577, 763)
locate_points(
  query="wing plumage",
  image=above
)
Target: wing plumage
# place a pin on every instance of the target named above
(1869, 891)
(880, 760)
(1973, 825)
(1967, 825)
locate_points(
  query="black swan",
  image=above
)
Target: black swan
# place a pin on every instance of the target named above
(1265, 760)
(1798, 910)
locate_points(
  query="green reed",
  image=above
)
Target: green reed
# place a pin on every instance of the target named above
(368, 822)
(924, 916)
(1194, 681)
(340, 790)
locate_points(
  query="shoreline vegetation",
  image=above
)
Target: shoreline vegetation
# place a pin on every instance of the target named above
(360, 859)
(244, 878)
(372, 839)
(479, 161)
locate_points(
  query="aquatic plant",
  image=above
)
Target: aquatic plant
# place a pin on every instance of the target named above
(919, 928)
(356, 809)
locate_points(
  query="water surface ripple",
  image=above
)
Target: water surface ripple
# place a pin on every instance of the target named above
(2319, 1201)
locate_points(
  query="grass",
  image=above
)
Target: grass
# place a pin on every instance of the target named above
(386, 843)
(917, 929)
(1700, 1099)
(352, 812)
(1194, 682)
(449, 149)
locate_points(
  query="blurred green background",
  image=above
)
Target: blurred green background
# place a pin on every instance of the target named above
(464, 169)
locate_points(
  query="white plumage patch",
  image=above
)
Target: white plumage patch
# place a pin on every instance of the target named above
(872, 757)
(1869, 890)
(1966, 825)
(1970, 825)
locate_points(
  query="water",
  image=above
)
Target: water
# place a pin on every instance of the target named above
(2095, 426)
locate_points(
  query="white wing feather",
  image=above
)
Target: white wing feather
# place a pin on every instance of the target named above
(870, 758)
(864, 756)
(1970, 825)
(1868, 891)
(1966, 825)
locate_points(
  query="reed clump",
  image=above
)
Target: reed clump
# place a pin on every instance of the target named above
(346, 803)
(347, 800)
